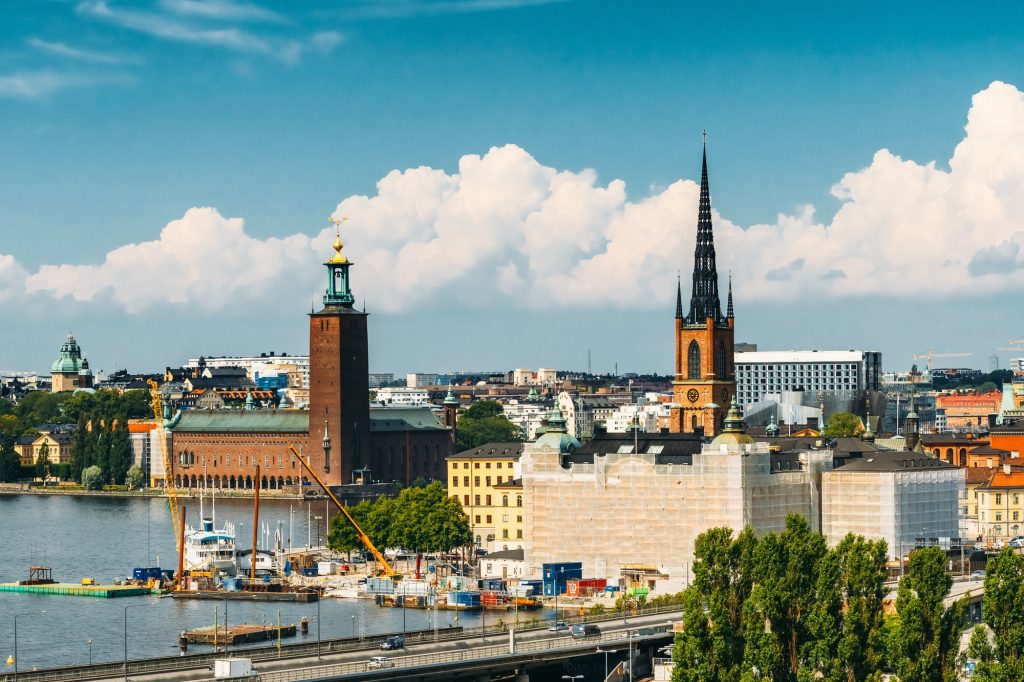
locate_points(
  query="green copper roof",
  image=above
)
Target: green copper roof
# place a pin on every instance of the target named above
(554, 434)
(403, 419)
(274, 421)
(70, 359)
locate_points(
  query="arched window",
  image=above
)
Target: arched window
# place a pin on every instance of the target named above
(949, 455)
(720, 360)
(504, 500)
(519, 500)
(693, 423)
(693, 361)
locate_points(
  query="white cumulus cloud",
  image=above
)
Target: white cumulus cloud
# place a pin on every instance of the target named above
(507, 230)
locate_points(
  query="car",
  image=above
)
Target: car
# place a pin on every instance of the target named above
(581, 630)
(978, 575)
(558, 626)
(1017, 542)
(393, 642)
(378, 662)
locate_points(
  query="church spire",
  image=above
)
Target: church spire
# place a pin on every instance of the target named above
(728, 308)
(679, 296)
(704, 301)
(339, 293)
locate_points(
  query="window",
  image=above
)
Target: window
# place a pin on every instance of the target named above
(476, 500)
(488, 479)
(504, 518)
(465, 465)
(478, 518)
(498, 465)
(488, 501)
(504, 533)
(465, 481)
(476, 465)
(455, 481)
(693, 361)
(720, 361)
(999, 498)
(487, 466)
(519, 519)
(504, 500)
(519, 500)
(1016, 498)
(519, 534)
(499, 480)
(489, 519)
(465, 500)
(999, 516)
(476, 480)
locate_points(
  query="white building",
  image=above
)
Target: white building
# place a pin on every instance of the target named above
(894, 496)
(504, 564)
(581, 411)
(762, 372)
(527, 415)
(403, 397)
(545, 376)
(263, 365)
(420, 379)
(649, 416)
(381, 378)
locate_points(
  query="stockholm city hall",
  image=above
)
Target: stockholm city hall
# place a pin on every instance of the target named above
(705, 378)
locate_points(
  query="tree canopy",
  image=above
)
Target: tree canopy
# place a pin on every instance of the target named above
(842, 425)
(484, 422)
(998, 646)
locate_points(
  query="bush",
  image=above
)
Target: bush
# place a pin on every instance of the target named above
(92, 478)
(135, 479)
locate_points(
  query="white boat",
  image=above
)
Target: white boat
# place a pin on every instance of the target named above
(207, 548)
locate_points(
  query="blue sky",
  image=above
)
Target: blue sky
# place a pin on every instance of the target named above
(117, 118)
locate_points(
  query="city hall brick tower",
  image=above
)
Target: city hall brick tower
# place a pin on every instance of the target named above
(705, 379)
(339, 406)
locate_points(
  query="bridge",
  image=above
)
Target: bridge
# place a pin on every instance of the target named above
(450, 653)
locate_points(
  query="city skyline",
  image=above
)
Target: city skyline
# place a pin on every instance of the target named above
(471, 229)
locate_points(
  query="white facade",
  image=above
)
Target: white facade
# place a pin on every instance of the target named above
(648, 416)
(528, 416)
(380, 378)
(403, 397)
(628, 509)
(759, 373)
(544, 376)
(581, 412)
(897, 505)
(420, 379)
(260, 366)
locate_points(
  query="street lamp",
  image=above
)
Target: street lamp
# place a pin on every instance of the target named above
(16, 617)
(317, 519)
(90, 651)
(130, 606)
(353, 626)
(318, 626)
(606, 652)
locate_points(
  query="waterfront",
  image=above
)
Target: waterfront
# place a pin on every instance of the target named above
(104, 538)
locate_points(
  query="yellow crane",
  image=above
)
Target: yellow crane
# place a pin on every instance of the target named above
(161, 436)
(932, 354)
(385, 568)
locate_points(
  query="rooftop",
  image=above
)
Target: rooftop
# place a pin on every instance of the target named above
(787, 356)
(492, 451)
(893, 461)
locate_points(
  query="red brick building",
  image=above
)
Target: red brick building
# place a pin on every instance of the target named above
(340, 435)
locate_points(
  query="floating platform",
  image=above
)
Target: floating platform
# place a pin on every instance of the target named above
(70, 590)
(238, 634)
(301, 597)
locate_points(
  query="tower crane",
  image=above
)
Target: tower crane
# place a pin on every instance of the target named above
(932, 354)
(172, 493)
(386, 569)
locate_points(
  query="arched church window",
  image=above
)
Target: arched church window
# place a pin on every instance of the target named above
(693, 361)
(720, 360)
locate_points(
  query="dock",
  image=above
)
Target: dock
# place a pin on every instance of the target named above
(70, 590)
(304, 597)
(238, 634)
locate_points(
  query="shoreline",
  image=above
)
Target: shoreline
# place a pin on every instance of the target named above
(8, 489)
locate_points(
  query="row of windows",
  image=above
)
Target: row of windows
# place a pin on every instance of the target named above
(476, 465)
(487, 502)
(693, 361)
(746, 367)
(187, 458)
(476, 481)
(999, 516)
(504, 518)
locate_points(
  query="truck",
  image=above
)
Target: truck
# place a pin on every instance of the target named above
(234, 669)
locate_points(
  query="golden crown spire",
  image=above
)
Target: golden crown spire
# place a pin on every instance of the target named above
(337, 258)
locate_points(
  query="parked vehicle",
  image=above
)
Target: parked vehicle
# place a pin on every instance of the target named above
(393, 642)
(581, 630)
(1017, 542)
(977, 575)
(378, 662)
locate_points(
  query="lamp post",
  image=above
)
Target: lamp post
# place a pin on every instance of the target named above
(130, 606)
(353, 626)
(226, 640)
(317, 519)
(606, 652)
(16, 617)
(90, 651)
(318, 627)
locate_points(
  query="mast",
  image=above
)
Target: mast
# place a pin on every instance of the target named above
(255, 526)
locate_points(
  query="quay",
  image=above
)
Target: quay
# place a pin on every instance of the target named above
(70, 590)
(302, 597)
(238, 634)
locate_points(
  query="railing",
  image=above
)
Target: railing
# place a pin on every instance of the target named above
(307, 649)
(490, 653)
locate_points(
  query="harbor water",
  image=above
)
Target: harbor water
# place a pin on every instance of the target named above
(104, 538)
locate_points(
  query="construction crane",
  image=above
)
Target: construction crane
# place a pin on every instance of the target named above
(386, 569)
(932, 354)
(161, 436)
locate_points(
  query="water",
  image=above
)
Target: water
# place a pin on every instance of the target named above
(105, 538)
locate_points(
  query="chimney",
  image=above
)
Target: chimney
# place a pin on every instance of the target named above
(1006, 469)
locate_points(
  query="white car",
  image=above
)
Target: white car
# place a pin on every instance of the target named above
(378, 662)
(558, 626)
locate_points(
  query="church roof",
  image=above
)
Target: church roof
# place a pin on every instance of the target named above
(70, 359)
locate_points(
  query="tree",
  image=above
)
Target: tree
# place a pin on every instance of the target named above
(43, 463)
(842, 425)
(101, 447)
(482, 409)
(926, 638)
(92, 478)
(342, 536)
(10, 463)
(135, 479)
(81, 457)
(121, 453)
(484, 422)
(999, 648)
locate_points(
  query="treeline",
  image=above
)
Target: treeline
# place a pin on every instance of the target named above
(102, 443)
(420, 519)
(787, 608)
(484, 422)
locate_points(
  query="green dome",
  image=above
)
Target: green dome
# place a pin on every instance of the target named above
(70, 360)
(554, 434)
(735, 432)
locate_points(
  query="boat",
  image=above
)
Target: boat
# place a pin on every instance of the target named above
(210, 549)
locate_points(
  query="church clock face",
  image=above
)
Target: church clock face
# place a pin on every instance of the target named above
(692, 395)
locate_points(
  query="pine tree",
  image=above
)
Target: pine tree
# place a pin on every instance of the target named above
(102, 447)
(121, 454)
(80, 449)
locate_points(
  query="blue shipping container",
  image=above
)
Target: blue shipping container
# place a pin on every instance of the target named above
(464, 598)
(563, 570)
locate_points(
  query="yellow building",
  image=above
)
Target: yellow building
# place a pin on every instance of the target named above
(56, 443)
(1001, 506)
(485, 480)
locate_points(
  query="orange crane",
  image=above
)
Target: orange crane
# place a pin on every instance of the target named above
(932, 354)
(172, 493)
(386, 569)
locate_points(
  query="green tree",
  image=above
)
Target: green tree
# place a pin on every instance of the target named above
(121, 453)
(483, 409)
(842, 425)
(484, 422)
(43, 462)
(342, 536)
(10, 463)
(38, 407)
(81, 457)
(92, 478)
(1000, 656)
(135, 479)
(926, 639)
(101, 448)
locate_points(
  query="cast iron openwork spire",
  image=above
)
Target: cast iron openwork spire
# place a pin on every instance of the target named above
(728, 307)
(679, 297)
(704, 301)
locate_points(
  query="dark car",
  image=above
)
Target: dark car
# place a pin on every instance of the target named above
(579, 631)
(393, 642)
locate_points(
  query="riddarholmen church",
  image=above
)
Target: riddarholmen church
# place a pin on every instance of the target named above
(343, 437)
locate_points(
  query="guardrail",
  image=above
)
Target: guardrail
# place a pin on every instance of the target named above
(306, 649)
(491, 653)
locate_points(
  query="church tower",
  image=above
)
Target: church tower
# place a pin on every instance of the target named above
(339, 389)
(705, 379)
